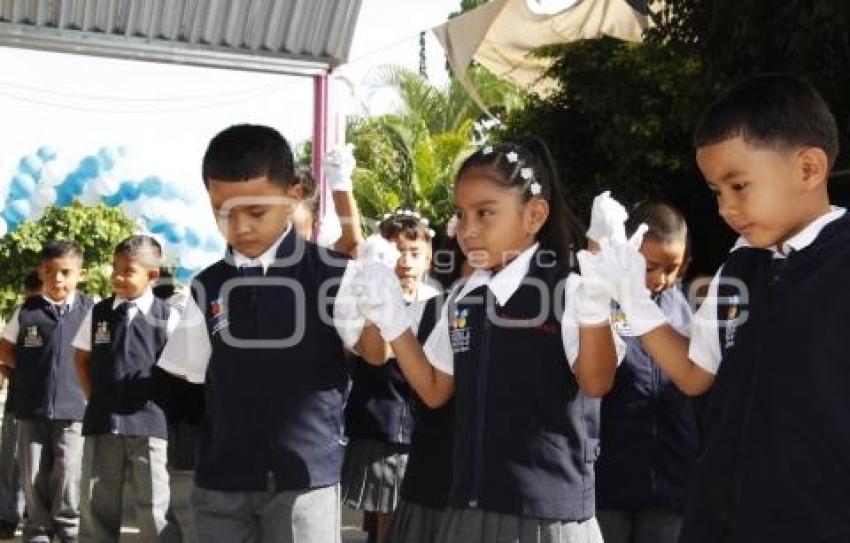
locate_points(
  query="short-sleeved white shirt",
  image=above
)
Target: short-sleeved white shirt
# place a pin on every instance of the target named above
(704, 349)
(503, 285)
(187, 353)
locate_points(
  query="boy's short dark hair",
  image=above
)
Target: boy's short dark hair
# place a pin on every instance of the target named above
(141, 247)
(771, 110)
(246, 151)
(61, 248)
(665, 224)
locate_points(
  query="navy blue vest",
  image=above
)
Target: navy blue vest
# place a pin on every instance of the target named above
(122, 357)
(526, 437)
(46, 383)
(776, 465)
(273, 409)
(380, 403)
(650, 437)
(428, 475)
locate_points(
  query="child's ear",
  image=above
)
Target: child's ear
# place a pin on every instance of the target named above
(153, 274)
(296, 191)
(813, 166)
(536, 215)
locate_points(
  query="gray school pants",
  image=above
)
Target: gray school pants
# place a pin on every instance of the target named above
(107, 458)
(11, 493)
(50, 458)
(640, 526)
(299, 516)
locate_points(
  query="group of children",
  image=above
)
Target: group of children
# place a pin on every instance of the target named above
(523, 400)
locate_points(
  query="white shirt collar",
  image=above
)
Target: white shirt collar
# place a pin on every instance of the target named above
(266, 259)
(143, 302)
(804, 237)
(68, 300)
(504, 283)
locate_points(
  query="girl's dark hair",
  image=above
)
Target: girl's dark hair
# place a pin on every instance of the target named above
(447, 263)
(309, 191)
(407, 223)
(562, 232)
(666, 223)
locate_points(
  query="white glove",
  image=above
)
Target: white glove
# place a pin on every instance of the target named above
(624, 266)
(377, 249)
(607, 216)
(595, 291)
(339, 165)
(380, 299)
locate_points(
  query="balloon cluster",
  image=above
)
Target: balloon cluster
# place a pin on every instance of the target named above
(160, 208)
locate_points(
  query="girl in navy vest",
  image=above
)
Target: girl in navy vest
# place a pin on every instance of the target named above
(378, 415)
(650, 435)
(428, 476)
(526, 348)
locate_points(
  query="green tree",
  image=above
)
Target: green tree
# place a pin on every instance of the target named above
(410, 157)
(96, 229)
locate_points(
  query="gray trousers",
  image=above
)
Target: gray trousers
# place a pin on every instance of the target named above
(181, 516)
(107, 458)
(302, 516)
(11, 493)
(640, 526)
(50, 455)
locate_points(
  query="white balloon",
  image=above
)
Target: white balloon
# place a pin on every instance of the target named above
(89, 197)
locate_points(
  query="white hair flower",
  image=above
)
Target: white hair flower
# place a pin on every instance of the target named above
(487, 150)
(535, 188)
(512, 156)
(526, 173)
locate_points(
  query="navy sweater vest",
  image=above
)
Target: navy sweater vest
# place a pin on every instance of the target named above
(379, 406)
(526, 437)
(122, 399)
(428, 475)
(46, 384)
(776, 465)
(650, 437)
(273, 409)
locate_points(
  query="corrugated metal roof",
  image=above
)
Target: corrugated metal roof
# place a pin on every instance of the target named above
(286, 36)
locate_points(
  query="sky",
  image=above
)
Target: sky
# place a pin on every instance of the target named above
(166, 113)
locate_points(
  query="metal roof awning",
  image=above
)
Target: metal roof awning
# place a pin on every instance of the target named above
(295, 37)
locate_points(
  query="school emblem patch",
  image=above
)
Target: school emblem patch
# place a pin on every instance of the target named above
(618, 320)
(731, 322)
(32, 338)
(218, 316)
(459, 332)
(101, 333)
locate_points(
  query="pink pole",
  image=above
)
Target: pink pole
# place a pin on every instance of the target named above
(320, 135)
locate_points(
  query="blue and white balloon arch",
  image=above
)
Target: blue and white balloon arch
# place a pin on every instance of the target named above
(161, 208)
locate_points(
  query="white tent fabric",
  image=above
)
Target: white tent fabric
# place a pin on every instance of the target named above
(502, 35)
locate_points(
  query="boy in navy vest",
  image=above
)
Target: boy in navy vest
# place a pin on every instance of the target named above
(265, 332)
(771, 338)
(49, 403)
(117, 345)
(11, 493)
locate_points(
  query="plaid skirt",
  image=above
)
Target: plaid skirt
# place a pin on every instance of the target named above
(372, 472)
(477, 526)
(413, 523)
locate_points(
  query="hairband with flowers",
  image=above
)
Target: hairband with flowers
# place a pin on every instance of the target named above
(525, 172)
(404, 212)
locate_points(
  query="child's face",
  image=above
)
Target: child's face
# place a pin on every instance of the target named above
(59, 276)
(250, 214)
(131, 276)
(664, 261)
(414, 261)
(494, 223)
(759, 191)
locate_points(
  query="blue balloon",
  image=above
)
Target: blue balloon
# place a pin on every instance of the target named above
(31, 165)
(75, 183)
(108, 157)
(64, 196)
(184, 274)
(158, 226)
(22, 186)
(46, 154)
(191, 238)
(89, 167)
(151, 186)
(12, 218)
(112, 200)
(21, 208)
(128, 190)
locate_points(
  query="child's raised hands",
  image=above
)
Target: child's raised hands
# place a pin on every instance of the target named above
(339, 165)
(607, 218)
